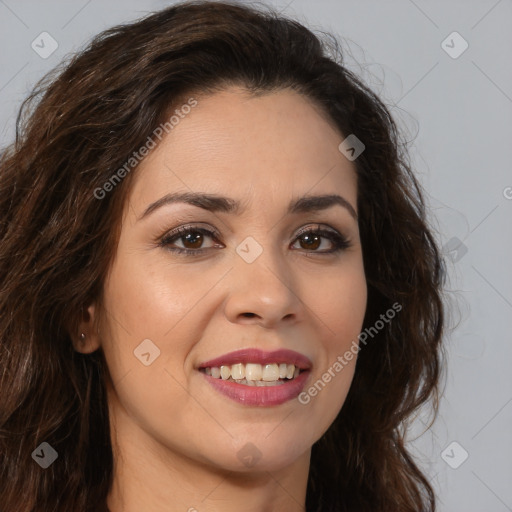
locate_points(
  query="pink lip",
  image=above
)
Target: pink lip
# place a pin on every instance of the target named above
(260, 396)
(252, 355)
(265, 395)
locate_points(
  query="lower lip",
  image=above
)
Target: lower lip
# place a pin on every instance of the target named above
(262, 396)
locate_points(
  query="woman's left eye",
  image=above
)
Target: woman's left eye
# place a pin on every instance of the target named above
(194, 238)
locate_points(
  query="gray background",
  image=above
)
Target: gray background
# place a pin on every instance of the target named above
(457, 114)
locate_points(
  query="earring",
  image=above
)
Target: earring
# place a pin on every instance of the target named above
(82, 336)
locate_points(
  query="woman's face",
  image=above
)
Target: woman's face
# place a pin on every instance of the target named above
(255, 284)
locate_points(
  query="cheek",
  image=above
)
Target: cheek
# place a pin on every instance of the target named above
(143, 304)
(340, 303)
(149, 298)
(152, 300)
(339, 300)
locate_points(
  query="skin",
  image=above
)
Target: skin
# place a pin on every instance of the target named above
(175, 438)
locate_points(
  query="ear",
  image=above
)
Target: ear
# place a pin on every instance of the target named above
(87, 339)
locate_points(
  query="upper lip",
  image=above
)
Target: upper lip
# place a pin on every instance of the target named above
(257, 356)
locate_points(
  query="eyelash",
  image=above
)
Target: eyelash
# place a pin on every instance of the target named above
(339, 241)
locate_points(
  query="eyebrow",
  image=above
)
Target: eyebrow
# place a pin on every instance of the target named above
(216, 203)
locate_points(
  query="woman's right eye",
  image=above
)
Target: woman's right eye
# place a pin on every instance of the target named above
(190, 235)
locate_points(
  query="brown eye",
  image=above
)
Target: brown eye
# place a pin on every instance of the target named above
(192, 239)
(311, 240)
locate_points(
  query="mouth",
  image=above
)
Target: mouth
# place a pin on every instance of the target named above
(255, 377)
(254, 374)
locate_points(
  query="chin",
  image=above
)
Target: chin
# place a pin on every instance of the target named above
(257, 454)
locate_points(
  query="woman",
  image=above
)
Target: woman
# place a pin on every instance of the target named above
(206, 223)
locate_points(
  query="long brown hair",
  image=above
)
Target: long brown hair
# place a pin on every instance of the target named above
(77, 128)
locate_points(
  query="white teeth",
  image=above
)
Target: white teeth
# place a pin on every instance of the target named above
(238, 371)
(253, 371)
(270, 372)
(258, 383)
(225, 372)
(253, 374)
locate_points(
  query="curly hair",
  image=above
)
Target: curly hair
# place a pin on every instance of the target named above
(58, 241)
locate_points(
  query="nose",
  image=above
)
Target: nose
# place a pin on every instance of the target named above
(263, 292)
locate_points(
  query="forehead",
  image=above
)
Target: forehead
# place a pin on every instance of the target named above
(230, 142)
